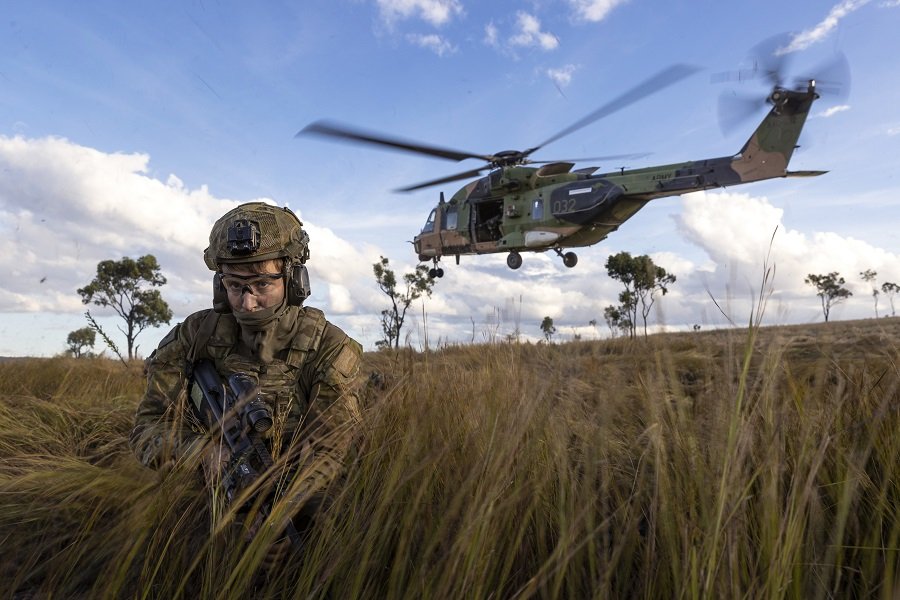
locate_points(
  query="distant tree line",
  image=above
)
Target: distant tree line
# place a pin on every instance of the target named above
(643, 281)
(831, 291)
(127, 286)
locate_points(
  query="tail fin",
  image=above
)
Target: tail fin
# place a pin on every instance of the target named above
(768, 151)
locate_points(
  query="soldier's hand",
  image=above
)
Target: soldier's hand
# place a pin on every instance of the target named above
(277, 554)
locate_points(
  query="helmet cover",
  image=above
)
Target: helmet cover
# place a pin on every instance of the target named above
(255, 232)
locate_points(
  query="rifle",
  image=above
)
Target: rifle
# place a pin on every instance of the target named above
(237, 414)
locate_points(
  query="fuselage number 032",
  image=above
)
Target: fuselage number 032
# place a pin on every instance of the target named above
(564, 205)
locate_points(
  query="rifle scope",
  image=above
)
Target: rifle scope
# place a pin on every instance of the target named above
(255, 413)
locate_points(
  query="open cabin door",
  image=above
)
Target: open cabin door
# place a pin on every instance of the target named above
(485, 220)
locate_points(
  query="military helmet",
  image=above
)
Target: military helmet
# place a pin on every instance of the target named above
(254, 232)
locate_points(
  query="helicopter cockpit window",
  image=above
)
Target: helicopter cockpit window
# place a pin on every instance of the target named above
(429, 224)
(450, 218)
(537, 209)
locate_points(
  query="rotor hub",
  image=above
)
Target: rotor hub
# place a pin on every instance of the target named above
(508, 158)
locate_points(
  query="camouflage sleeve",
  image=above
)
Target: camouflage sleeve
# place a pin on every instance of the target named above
(165, 428)
(331, 423)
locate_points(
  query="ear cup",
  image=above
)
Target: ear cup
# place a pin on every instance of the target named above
(220, 296)
(297, 285)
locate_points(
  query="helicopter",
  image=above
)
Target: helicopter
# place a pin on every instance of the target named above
(518, 208)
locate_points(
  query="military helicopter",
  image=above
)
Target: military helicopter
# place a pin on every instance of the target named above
(517, 208)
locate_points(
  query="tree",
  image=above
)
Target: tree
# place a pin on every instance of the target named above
(869, 277)
(830, 288)
(119, 284)
(628, 304)
(548, 328)
(616, 319)
(79, 340)
(890, 289)
(415, 284)
(643, 281)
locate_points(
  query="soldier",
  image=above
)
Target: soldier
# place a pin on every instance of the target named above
(304, 365)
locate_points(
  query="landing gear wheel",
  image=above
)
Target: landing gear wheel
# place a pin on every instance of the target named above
(570, 259)
(439, 272)
(514, 260)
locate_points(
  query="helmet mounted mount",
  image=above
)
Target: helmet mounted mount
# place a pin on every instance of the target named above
(243, 237)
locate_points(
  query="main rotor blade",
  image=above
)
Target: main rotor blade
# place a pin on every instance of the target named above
(661, 80)
(458, 176)
(344, 132)
(591, 158)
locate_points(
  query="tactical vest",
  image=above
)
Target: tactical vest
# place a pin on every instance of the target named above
(279, 381)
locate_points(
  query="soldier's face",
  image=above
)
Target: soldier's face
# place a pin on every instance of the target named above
(253, 289)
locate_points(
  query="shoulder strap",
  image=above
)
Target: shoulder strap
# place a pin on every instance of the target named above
(204, 333)
(308, 336)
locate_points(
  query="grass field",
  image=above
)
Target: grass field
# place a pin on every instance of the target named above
(755, 463)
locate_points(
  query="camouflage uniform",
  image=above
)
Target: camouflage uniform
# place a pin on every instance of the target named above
(307, 383)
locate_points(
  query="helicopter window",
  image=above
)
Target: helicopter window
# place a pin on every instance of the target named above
(450, 218)
(537, 209)
(429, 224)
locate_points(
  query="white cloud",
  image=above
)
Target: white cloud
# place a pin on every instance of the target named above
(73, 206)
(530, 34)
(65, 207)
(833, 110)
(435, 12)
(736, 231)
(673, 263)
(491, 35)
(594, 10)
(339, 298)
(562, 76)
(483, 287)
(820, 31)
(893, 130)
(432, 42)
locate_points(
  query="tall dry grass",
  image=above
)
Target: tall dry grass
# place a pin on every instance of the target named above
(741, 464)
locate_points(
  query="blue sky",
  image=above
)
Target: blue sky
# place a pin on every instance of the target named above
(128, 128)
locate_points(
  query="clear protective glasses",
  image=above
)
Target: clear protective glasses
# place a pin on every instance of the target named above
(258, 284)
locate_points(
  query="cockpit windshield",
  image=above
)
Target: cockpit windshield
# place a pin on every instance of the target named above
(450, 218)
(429, 224)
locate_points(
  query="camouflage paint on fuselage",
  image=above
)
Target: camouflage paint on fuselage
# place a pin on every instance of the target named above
(580, 208)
